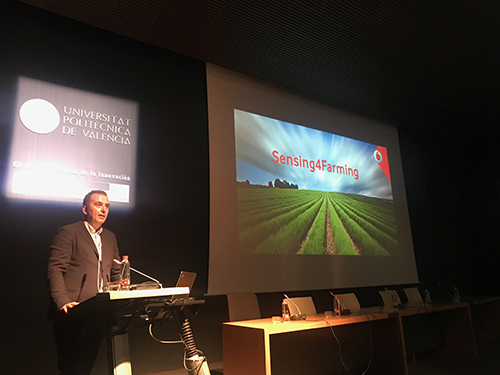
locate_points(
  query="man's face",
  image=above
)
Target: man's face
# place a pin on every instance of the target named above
(97, 210)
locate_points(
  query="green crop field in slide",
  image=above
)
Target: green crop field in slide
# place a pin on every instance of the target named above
(292, 221)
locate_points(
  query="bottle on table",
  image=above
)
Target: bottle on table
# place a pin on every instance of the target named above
(427, 298)
(395, 302)
(336, 306)
(456, 295)
(285, 311)
(125, 273)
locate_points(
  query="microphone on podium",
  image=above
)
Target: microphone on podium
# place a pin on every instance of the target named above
(299, 315)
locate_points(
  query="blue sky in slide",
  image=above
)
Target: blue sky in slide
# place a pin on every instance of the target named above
(267, 149)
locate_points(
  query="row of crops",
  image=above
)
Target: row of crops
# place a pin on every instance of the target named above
(287, 221)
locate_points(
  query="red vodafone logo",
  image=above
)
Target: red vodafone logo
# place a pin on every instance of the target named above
(380, 156)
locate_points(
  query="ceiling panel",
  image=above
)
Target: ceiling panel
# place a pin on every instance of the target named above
(430, 66)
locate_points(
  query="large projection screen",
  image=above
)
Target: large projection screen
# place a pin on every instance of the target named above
(302, 196)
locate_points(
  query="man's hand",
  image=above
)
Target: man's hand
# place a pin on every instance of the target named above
(68, 306)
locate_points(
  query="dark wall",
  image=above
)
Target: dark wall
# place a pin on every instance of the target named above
(167, 230)
(451, 188)
(453, 202)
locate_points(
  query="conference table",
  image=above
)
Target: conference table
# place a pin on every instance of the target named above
(457, 329)
(485, 317)
(259, 347)
(371, 338)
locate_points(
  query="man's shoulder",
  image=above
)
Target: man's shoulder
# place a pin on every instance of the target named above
(73, 226)
(79, 227)
(68, 232)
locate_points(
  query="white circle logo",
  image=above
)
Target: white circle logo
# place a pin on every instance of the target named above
(39, 116)
(378, 156)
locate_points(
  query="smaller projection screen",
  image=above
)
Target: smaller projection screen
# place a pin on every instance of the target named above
(302, 196)
(67, 142)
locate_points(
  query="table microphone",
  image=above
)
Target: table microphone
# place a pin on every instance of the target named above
(298, 316)
(343, 310)
(139, 272)
(446, 290)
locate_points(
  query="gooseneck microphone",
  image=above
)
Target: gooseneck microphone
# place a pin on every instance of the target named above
(299, 315)
(446, 290)
(139, 272)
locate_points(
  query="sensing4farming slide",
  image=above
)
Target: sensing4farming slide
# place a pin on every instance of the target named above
(304, 191)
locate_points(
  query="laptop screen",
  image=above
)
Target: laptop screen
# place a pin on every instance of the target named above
(186, 279)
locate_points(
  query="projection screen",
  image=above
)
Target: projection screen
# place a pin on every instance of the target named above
(302, 196)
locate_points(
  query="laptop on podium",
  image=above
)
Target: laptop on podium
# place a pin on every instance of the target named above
(186, 279)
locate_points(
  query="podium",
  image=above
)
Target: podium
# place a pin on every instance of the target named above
(116, 307)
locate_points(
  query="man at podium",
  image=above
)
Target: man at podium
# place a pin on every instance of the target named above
(80, 263)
